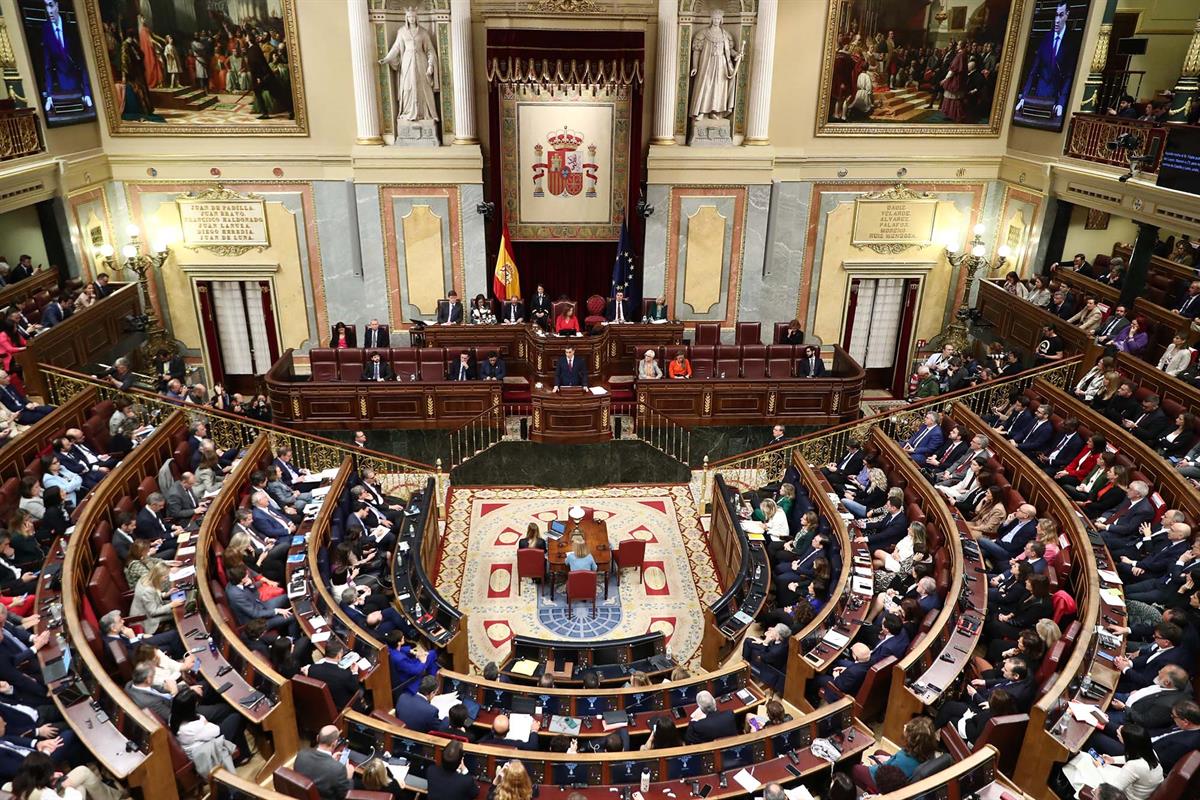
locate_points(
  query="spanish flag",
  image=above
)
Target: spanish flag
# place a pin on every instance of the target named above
(506, 283)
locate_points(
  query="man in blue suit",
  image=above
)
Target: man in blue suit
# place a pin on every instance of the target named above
(1140, 670)
(1173, 745)
(1019, 420)
(54, 312)
(63, 68)
(1158, 563)
(26, 412)
(926, 440)
(1019, 528)
(1040, 434)
(1053, 67)
(415, 710)
(1123, 523)
(1062, 450)
(883, 533)
(570, 370)
(847, 675)
(267, 522)
(1014, 679)
(893, 642)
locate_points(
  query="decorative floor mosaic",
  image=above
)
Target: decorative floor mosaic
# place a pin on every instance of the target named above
(478, 567)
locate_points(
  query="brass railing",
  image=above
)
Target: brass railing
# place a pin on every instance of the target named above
(1089, 136)
(19, 134)
(398, 476)
(663, 433)
(768, 464)
(477, 435)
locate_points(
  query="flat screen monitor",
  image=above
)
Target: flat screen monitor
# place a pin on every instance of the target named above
(1180, 168)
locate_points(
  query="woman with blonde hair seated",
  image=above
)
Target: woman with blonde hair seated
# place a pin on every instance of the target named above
(889, 564)
(151, 599)
(648, 368)
(512, 783)
(775, 519)
(579, 557)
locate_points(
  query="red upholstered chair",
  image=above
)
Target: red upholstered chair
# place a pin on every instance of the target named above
(779, 332)
(531, 563)
(147, 487)
(727, 368)
(754, 368)
(404, 362)
(630, 553)
(1005, 733)
(729, 351)
(708, 333)
(293, 784)
(323, 361)
(779, 361)
(559, 306)
(581, 585)
(748, 333)
(595, 308)
(350, 363)
(433, 363)
(703, 358)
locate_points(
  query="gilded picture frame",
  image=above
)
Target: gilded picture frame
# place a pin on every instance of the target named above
(906, 95)
(217, 104)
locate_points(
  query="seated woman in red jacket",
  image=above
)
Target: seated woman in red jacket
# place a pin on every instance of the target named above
(680, 367)
(342, 337)
(567, 322)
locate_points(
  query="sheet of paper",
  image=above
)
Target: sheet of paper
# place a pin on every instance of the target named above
(399, 773)
(317, 621)
(185, 551)
(320, 636)
(753, 526)
(1083, 712)
(519, 727)
(597, 390)
(325, 475)
(863, 586)
(444, 702)
(800, 792)
(698, 714)
(746, 781)
(1112, 598)
(526, 666)
(181, 573)
(1108, 576)
(836, 639)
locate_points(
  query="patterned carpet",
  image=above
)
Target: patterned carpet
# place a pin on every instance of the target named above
(478, 568)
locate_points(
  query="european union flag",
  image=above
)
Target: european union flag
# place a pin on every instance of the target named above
(623, 269)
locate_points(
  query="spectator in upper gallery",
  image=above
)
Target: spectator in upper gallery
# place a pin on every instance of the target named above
(793, 334)
(450, 312)
(167, 366)
(1184, 253)
(1061, 304)
(22, 270)
(1114, 276)
(1190, 306)
(927, 383)
(174, 390)
(103, 289)
(1115, 324)
(1158, 112)
(1177, 357)
(120, 375)
(1125, 108)
(1012, 284)
(1039, 293)
(1089, 317)
(1050, 348)
(56, 311)
(1079, 264)
(1133, 339)
(1012, 364)
(26, 412)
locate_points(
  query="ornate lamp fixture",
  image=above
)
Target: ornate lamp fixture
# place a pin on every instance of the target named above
(142, 264)
(975, 262)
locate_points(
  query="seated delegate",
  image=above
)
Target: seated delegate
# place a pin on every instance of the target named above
(567, 324)
(680, 367)
(648, 368)
(579, 558)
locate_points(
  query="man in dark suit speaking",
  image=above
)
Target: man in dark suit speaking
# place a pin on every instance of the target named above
(570, 370)
(64, 70)
(1049, 75)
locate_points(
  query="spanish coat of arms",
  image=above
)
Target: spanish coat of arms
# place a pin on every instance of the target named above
(564, 169)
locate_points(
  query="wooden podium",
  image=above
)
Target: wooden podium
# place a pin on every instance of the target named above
(571, 415)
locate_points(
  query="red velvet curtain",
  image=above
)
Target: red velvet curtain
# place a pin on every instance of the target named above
(574, 269)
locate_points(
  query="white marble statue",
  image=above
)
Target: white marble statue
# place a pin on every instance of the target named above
(714, 69)
(414, 59)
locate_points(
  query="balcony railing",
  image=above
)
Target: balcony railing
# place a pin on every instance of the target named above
(1089, 135)
(20, 135)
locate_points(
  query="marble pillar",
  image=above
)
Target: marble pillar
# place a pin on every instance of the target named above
(1187, 90)
(463, 72)
(362, 64)
(762, 66)
(665, 92)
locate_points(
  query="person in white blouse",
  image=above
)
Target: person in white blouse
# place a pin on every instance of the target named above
(1013, 285)
(1039, 294)
(167, 671)
(202, 740)
(1177, 357)
(1137, 773)
(53, 474)
(648, 368)
(969, 482)
(777, 524)
(39, 780)
(1092, 382)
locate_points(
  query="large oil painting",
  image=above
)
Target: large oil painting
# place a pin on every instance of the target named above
(917, 67)
(215, 67)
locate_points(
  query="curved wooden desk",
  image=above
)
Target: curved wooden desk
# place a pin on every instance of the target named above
(570, 415)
